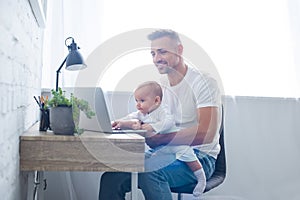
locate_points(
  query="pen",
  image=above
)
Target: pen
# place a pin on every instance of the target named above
(37, 101)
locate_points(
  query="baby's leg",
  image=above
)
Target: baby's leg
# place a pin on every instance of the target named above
(196, 167)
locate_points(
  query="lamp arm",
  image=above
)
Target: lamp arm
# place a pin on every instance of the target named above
(58, 71)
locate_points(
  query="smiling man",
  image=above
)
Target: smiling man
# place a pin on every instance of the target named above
(194, 100)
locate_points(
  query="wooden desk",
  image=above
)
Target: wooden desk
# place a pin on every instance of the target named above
(91, 151)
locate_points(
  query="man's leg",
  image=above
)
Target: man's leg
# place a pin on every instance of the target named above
(114, 185)
(156, 185)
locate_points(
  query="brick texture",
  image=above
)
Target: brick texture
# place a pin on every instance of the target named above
(20, 79)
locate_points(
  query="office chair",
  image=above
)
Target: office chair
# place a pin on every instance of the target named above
(219, 174)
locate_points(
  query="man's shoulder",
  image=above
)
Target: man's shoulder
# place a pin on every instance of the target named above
(197, 76)
(195, 72)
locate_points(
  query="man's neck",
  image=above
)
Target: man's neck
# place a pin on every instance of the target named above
(178, 74)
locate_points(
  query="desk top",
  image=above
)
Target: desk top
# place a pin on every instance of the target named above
(34, 134)
(91, 151)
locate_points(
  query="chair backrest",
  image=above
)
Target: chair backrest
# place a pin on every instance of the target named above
(219, 174)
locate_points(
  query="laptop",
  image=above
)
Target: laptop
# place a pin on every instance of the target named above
(101, 122)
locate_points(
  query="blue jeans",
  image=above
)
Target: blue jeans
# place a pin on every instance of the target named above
(156, 184)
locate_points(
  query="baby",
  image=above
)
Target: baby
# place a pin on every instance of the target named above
(155, 118)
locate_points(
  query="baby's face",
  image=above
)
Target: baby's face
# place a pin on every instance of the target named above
(145, 102)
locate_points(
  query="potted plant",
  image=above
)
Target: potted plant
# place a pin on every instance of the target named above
(65, 112)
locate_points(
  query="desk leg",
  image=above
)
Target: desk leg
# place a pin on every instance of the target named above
(35, 186)
(134, 186)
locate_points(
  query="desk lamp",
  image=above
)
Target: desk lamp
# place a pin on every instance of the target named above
(74, 60)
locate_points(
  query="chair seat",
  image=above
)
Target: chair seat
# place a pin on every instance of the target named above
(213, 182)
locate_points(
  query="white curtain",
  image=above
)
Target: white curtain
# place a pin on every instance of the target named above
(254, 44)
(69, 18)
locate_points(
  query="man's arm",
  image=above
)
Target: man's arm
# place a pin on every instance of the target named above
(202, 133)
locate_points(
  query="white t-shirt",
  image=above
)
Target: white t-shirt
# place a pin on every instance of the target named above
(196, 90)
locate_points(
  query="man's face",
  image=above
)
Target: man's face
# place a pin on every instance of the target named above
(166, 54)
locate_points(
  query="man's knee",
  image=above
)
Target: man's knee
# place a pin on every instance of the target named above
(147, 177)
(105, 176)
(118, 180)
(114, 185)
(110, 177)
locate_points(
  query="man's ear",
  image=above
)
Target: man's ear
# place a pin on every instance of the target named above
(180, 49)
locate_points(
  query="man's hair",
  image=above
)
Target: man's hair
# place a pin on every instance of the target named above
(153, 88)
(164, 33)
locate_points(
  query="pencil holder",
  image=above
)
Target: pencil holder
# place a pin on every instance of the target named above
(44, 120)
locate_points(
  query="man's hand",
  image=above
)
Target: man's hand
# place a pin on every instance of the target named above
(159, 139)
(147, 127)
(153, 141)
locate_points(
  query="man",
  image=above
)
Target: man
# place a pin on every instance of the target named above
(194, 100)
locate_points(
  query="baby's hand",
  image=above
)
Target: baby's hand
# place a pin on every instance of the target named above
(136, 125)
(116, 124)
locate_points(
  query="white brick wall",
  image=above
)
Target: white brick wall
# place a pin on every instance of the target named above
(20, 79)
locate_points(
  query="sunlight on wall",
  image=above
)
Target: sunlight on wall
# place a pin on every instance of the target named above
(128, 66)
(249, 41)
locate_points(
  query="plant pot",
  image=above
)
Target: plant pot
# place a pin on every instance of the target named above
(61, 120)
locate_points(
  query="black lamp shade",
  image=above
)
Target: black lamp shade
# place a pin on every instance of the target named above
(75, 61)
